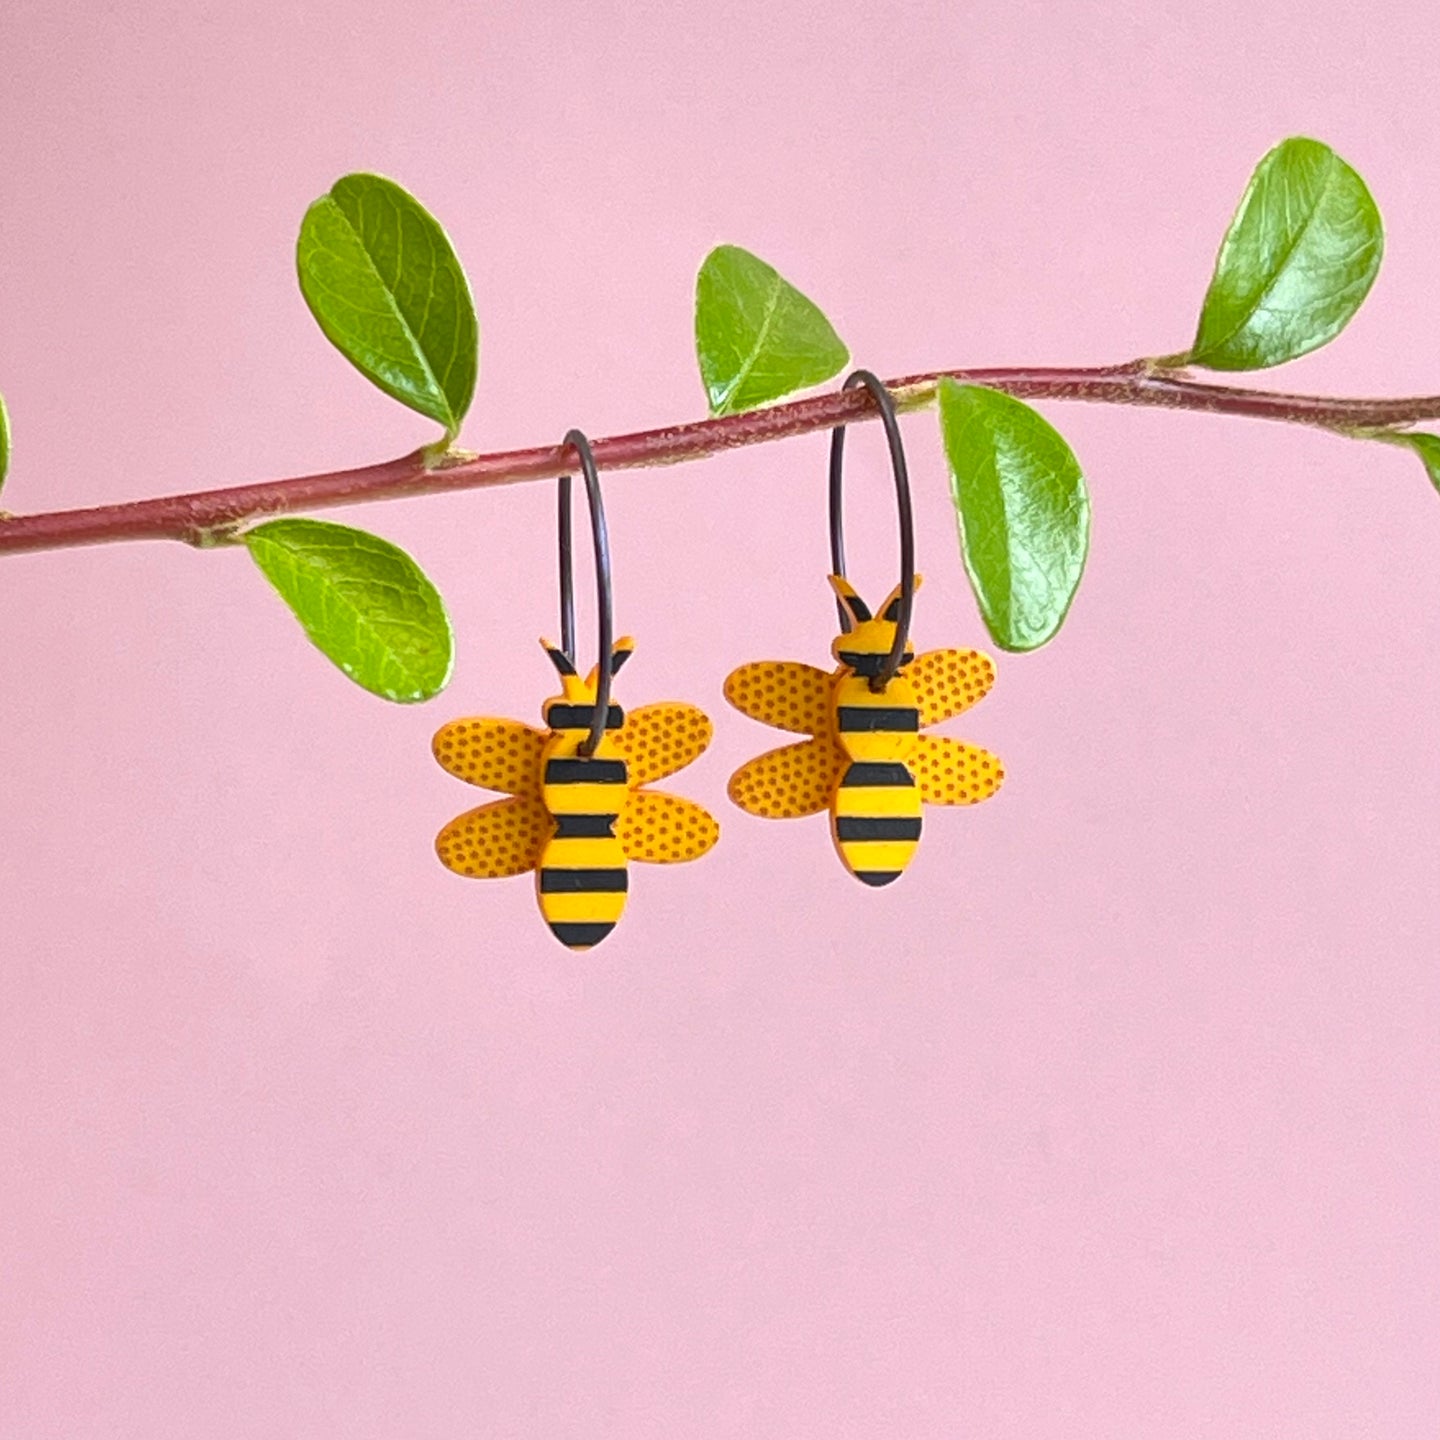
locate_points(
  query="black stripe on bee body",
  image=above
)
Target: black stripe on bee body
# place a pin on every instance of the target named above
(853, 719)
(877, 877)
(870, 665)
(577, 770)
(584, 827)
(609, 880)
(581, 934)
(582, 717)
(877, 827)
(877, 773)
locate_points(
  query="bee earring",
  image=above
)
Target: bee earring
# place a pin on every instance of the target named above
(577, 812)
(866, 760)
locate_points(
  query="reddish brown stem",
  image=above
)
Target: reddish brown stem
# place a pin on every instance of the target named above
(208, 517)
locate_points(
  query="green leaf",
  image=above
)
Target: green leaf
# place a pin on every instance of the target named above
(4, 440)
(380, 276)
(1296, 263)
(756, 336)
(1023, 512)
(363, 601)
(1427, 447)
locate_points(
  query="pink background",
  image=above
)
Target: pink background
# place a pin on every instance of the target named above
(1116, 1118)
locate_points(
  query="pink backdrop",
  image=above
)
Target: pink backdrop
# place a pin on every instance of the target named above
(1116, 1118)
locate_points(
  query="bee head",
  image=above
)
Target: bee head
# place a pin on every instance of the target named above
(867, 638)
(574, 710)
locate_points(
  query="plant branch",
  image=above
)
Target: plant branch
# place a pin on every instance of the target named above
(212, 517)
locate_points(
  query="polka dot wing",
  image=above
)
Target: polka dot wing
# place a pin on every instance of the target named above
(504, 837)
(797, 779)
(786, 694)
(656, 827)
(501, 755)
(790, 782)
(949, 771)
(949, 682)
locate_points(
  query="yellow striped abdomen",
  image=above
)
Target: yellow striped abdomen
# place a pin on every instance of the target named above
(582, 878)
(875, 811)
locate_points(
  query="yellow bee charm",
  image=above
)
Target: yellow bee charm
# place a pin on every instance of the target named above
(576, 820)
(866, 760)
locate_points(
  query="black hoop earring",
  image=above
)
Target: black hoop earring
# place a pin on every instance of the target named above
(604, 599)
(886, 405)
(576, 810)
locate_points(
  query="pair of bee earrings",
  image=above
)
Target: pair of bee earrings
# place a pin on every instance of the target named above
(578, 806)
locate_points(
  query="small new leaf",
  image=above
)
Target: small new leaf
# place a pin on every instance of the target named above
(757, 337)
(1295, 265)
(4, 440)
(1022, 508)
(1427, 447)
(363, 601)
(382, 280)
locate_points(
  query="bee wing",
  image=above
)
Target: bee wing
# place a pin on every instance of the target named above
(948, 682)
(782, 693)
(791, 781)
(658, 740)
(663, 829)
(502, 838)
(950, 772)
(499, 755)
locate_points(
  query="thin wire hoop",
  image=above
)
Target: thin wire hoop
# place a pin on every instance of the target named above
(886, 405)
(604, 599)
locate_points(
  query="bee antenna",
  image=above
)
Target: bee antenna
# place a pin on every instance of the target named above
(559, 658)
(892, 603)
(850, 601)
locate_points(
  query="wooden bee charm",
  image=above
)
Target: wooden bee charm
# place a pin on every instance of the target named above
(866, 760)
(576, 820)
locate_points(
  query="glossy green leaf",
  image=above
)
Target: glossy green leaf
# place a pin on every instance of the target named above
(363, 601)
(1023, 511)
(1427, 447)
(4, 440)
(1295, 265)
(756, 336)
(380, 276)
